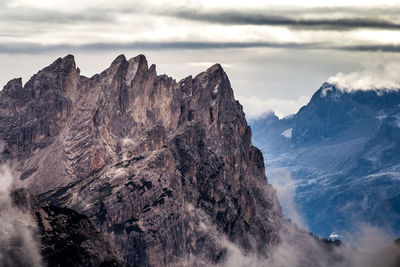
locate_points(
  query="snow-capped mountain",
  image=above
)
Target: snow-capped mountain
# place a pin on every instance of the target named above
(342, 152)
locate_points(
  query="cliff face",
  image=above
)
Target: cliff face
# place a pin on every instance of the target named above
(166, 167)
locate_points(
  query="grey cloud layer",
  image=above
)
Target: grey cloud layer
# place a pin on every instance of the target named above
(22, 28)
(35, 48)
(336, 18)
(247, 18)
(51, 16)
(32, 48)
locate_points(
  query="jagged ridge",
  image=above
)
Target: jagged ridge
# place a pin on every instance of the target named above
(160, 164)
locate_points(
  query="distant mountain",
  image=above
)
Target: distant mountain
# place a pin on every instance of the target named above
(343, 151)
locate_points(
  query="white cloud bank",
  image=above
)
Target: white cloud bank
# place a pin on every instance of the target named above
(369, 238)
(255, 107)
(375, 75)
(285, 187)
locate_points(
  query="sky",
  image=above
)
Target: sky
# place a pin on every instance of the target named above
(276, 53)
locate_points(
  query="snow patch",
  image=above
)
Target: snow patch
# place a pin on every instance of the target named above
(381, 116)
(334, 236)
(287, 133)
(216, 89)
(126, 141)
(325, 91)
(397, 121)
(119, 172)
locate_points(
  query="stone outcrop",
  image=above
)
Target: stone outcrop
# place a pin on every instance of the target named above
(165, 167)
(66, 237)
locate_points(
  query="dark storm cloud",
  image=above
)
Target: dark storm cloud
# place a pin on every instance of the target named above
(255, 18)
(31, 48)
(372, 48)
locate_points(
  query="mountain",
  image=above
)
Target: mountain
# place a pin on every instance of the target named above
(131, 167)
(166, 168)
(341, 152)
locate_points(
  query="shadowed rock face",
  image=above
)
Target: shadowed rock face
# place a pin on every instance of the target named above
(66, 237)
(168, 168)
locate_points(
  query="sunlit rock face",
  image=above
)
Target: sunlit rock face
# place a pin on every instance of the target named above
(167, 168)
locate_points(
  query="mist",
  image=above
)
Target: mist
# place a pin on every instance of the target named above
(285, 186)
(368, 246)
(18, 245)
(298, 248)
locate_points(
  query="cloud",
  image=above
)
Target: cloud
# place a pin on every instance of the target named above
(380, 74)
(285, 186)
(255, 107)
(339, 17)
(51, 16)
(33, 48)
(48, 26)
(18, 246)
(298, 248)
(256, 18)
(5, 176)
(41, 26)
(370, 48)
(208, 64)
(369, 238)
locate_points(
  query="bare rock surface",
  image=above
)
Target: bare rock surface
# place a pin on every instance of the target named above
(167, 168)
(66, 237)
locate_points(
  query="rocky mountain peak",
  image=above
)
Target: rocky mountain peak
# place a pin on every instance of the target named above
(332, 110)
(215, 68)
(120, 63)
(139, 153)
(118, 60)
(14, 83)
(13, 88)
(63, 65)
